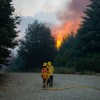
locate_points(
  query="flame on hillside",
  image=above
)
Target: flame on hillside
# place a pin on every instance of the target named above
(65, 29)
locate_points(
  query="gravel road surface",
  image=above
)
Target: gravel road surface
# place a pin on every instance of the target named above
(28, 86)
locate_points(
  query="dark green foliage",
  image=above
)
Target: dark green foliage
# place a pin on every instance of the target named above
(88, 37)
(66, 52)
(83, 50)
(69, 53)
(65, 70)
(90, 62)
(80, 52)
(59, 61)
(68, 42)
(8, 33)
(89, 32)
(15, 65)
(38, 47)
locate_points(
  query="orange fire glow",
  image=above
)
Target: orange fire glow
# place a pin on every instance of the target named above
(66, 28)
(58, 41)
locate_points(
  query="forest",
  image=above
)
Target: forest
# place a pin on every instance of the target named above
(78, 53)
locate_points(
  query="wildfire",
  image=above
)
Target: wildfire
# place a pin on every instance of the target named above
(63, 30)
(58, 41)
(69, 18)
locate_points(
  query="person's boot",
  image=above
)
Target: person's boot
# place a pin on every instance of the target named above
(47, 82)
(50, 84)
(43, 86)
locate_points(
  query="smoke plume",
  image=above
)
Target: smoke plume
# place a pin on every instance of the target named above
(70, 18)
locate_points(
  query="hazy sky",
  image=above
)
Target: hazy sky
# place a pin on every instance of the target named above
(62, 15)
(44, 10)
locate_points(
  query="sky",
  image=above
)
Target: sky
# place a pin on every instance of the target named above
(62, 16)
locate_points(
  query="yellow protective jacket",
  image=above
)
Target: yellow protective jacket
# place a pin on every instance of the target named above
(45, 73)
(51, 70)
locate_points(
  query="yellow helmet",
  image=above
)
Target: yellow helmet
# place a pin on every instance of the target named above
(44, 64)
(49, 63)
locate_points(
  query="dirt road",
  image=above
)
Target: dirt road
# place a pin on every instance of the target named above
(28, 86)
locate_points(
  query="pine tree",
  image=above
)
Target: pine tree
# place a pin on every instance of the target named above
(89, 32)
(88, 37)
(8, 22)
(38, 47)
(67, 50)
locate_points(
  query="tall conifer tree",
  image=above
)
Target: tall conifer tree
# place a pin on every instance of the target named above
(8, 22)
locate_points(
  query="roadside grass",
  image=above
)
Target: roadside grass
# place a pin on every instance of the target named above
(61, 70)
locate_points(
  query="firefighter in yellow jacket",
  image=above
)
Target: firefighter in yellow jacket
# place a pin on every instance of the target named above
(51, 70)
(45, 74)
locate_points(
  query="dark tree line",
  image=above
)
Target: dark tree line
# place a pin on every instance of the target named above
(37, 47)
(88, 37)
(82, 51)
(8, 23)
